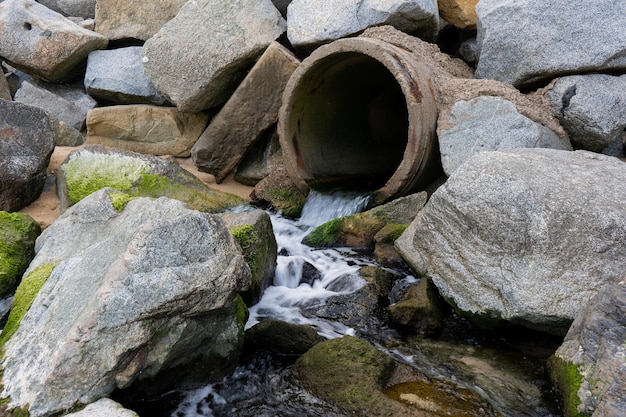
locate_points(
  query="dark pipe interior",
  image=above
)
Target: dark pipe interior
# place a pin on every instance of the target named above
(348, 124)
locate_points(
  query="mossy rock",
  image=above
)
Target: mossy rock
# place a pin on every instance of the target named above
(278, 192)
(355, 231)
(18, 233)
(420, 308)
(357, 377)
(91, 168)
(567, 379)
(255, 235)
(277, 336)
(24, 297)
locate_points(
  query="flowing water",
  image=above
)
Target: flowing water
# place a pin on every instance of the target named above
(505, 368)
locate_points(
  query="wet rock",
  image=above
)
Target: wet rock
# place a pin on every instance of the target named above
(197, 58)
(276, 336)
(117, 19)
(519, 46)
(255, 235)
(384, 250)
(589, 368)
(310, 274)
(256, 163)
(460, 13)
(93, 167)
(117, 76)
(249, 112)
(358, 230)
(510, 235)
(145, 129)
(278, 191)
(17, 248)
(420, 308)
(145, 296)
(309, 25)
(69, 104)
(27, 139)
(42, 42)
(488, 123)
(591, 108)
(353, 375)
(104, 408)
(82, 8)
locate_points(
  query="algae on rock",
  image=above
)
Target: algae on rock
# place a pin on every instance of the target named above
(17, 242)
(92, 168)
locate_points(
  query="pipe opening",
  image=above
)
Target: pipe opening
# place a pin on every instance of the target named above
(348, 123)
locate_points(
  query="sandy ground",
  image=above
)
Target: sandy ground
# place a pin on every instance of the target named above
(46, 210)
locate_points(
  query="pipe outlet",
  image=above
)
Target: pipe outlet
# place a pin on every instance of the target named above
(360, 114)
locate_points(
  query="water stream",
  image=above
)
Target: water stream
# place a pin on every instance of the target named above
(505, 368)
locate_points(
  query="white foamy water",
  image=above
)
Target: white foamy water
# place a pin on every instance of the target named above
(288, 295)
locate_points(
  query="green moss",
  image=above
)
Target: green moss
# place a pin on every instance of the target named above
(326, 235)
(393, 231)
(241, 311)
(568, 379)
(348, 372)
(245, 235)
(24, 297)
(17, 240)
(133, 177)
(92, 172)
(120, 199)
(287, 200)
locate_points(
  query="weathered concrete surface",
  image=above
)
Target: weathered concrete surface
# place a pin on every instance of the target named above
(249, 112)
(145, 129)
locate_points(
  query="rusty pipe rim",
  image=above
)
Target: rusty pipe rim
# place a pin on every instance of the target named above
(360, 113)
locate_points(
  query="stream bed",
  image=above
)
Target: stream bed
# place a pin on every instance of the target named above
(505, 367)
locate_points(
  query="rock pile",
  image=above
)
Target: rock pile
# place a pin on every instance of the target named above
(523, 235)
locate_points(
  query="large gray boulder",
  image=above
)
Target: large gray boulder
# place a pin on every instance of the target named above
(589, 368)
(134, 19)
(249, 112)
(27, 139)
(42, 42)
(117, 76)
(592, 108)
(69, 104)
(198, 57)
(529, 41)
(489, 123)
(131, 296)
(82, 8)
(309, 25)
(528, 235)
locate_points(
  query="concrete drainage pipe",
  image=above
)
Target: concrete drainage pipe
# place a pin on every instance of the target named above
(360, 114)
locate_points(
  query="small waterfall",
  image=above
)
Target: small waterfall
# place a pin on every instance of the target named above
(323, 207)
(290, 291)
